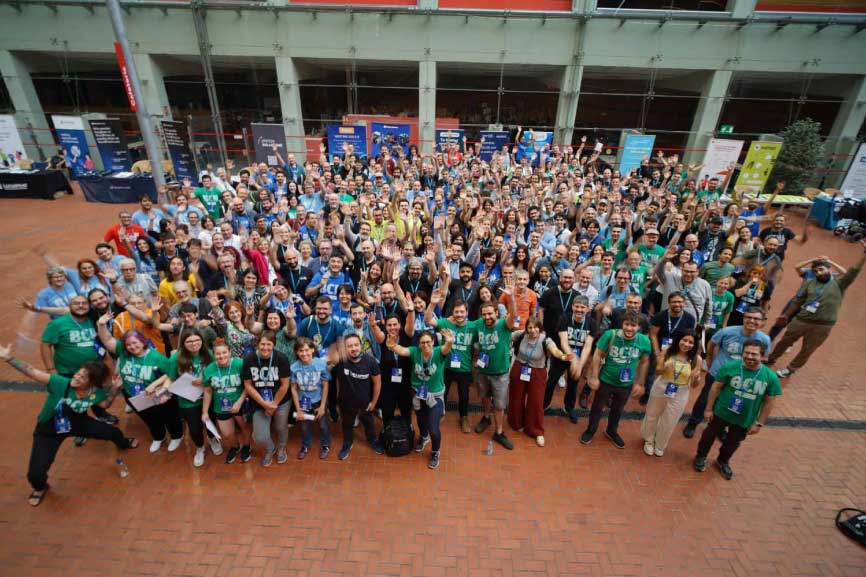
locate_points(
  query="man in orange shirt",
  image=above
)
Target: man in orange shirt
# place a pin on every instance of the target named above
(125, 229)
(527, 300)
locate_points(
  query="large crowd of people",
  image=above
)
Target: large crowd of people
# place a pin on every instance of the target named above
(352, 290)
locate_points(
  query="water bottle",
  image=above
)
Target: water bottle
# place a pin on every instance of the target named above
(122, 469)
(489, 448)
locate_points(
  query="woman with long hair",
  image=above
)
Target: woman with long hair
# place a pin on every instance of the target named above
(678, 369)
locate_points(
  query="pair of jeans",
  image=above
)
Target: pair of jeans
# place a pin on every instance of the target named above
(279, 422)
(324, 428)
(557, 369)
(428, 422)
(736, 435)
(700, 406)
(46, 443)
(348, 414)
(161, 418)
(618, 398)
(463, 381)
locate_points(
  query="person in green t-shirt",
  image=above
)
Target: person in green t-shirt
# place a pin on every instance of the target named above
(70, 341)
(139, 366)
(494, 362)
(209, 197)
(723, 304)
(224, 393)
(637, 271)
(428, 381)
(191, 357)
(619, 366)
(64, 414)
(459, 367)
(713, 271)
(740, 401)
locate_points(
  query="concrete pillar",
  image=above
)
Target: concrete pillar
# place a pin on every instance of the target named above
(566, 107)
(707, 115)
(290, 102)
(741, 8)
(584, 6)
(427, 106)
(29, 116)
(843, 134)
(153, 94)
(428, 4)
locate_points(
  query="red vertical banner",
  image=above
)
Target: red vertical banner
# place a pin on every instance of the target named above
(124, 74)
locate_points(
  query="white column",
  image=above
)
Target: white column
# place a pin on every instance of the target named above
(427, 106)
(29, 116)
(843, 134)
(741, 8)
(707, 115)
(290, 102)
(566, 107)
(153, 94)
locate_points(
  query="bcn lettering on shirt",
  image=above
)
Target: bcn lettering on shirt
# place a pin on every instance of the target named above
(265, 374)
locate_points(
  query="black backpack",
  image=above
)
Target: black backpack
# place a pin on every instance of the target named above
(399, 437)
(854, 526)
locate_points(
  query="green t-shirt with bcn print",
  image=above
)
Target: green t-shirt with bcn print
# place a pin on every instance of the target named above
(197, 371)
(59, 392)
(74, 343)
(621, 353)
(138, 372)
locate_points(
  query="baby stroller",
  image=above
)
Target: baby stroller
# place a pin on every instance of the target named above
(852, 220)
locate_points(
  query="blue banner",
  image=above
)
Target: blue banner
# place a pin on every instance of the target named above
(111, 144)
(177, 142)
(389, 136)
(73, 142)
(637, 146)
(445, 138)
(491, 141)
(341, 136)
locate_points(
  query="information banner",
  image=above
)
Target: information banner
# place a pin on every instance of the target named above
(341, 136)
(111, 144)
(177, 143)
(11, 147)
(73, 142)
(757, 166)
(389, 135)
(721, 153)
(265, 136)
(445, 138)
(491, 141)
(636, 147)
(855, 181)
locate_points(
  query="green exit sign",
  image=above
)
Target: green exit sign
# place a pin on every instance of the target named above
(726, 129)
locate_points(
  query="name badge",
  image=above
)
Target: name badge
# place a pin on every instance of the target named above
(396, 375)
(225, 405)
(422, 392)
(100, 350)
(666, 342)
(736, 405)
(483, 360)
(62, 425)
(267, 394)
(812, 306)
(137, 389)
(525, 373)
(323, 354)
(625, 375)
(671, 390)
(516, 322)
(711, 323)
(306, 403)
(742, 306)
(455, 360)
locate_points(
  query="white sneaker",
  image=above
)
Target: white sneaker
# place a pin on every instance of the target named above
(127, 409)
(539, 440)
(649, 448)
(784, 373)
(174, 444)
(215, 446)
(155, 446)
(198, 460)
(659, 452)
(561, 382)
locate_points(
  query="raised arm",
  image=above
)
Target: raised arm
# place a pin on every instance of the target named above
(24, 368)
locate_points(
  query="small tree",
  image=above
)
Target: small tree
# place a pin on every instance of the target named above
(802, 153)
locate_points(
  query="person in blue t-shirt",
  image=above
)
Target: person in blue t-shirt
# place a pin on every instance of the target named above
(310, 379)
(725, 346)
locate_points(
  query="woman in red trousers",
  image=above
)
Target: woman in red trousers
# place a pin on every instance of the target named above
(529, 377)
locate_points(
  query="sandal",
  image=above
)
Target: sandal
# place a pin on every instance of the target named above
(35, 498)
(133, 442)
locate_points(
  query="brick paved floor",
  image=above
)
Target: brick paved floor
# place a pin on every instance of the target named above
(566, 509)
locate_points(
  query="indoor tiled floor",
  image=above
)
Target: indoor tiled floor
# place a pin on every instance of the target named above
(566, 509)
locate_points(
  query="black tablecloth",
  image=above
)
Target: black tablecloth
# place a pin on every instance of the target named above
(116, 190)
(43, 184)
